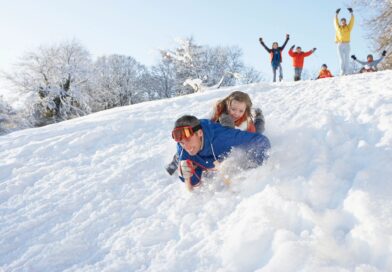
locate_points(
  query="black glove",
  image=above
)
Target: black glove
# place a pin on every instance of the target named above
(350, 10)
(259, 113)
(226, 120)
(261, 40)
(291, 48)
(337, 11)
(354, 57)
(287, 36)
(314, 49)
(384, 53)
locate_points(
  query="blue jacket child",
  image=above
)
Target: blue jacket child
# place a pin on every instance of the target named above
(212, 142)
(276, 56)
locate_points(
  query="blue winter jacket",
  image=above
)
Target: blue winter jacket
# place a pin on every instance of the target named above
(276, 54)
(218, 142)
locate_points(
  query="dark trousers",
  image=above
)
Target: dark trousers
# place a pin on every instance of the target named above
(274, 68)
(297, 73)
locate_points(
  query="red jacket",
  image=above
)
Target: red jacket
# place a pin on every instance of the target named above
(325, 74)
(298, 58)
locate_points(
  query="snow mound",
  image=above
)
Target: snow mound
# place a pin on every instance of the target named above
(91, 194)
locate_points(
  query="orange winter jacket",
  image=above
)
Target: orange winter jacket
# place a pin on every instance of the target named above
(325, 74)
(298, 58)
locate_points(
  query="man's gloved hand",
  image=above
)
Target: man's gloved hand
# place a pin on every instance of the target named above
(337, 11)
(226, 120)
(354, 57)
(287, 36)
(261, 40)
(186, 169)
(314, 49)
(291, 48)
(350, 10)
(384, 53)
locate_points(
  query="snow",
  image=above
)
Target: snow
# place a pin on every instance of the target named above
(91, 194)
(195, 84)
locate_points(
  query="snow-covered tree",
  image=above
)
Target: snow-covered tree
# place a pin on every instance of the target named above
(187, 62)
(62, 82)
(199, 67)
(118, 81)
(221, 64)
(56, 78)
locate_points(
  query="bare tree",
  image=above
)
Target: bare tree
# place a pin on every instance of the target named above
(163, 77)
(379, 27)
(250, 75)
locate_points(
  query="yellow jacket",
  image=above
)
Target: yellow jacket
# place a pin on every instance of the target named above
(343, 32)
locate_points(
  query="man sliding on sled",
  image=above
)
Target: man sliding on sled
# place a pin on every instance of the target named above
(370, 65)
(202, 144)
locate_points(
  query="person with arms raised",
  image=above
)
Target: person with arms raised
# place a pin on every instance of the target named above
(298, 60)
(370, 65)
(276, 56)
(342, 39)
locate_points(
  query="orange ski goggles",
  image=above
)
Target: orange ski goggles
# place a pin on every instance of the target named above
(180, 133)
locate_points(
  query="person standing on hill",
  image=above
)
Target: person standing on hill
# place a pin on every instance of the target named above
(276, 56)
(342, 38)
(298, 60)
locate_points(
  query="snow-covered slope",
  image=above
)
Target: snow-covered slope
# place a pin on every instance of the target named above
(91, 194)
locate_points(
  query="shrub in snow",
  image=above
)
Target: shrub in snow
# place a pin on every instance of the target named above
(10, 120)
(55, 104)
(5, 112)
